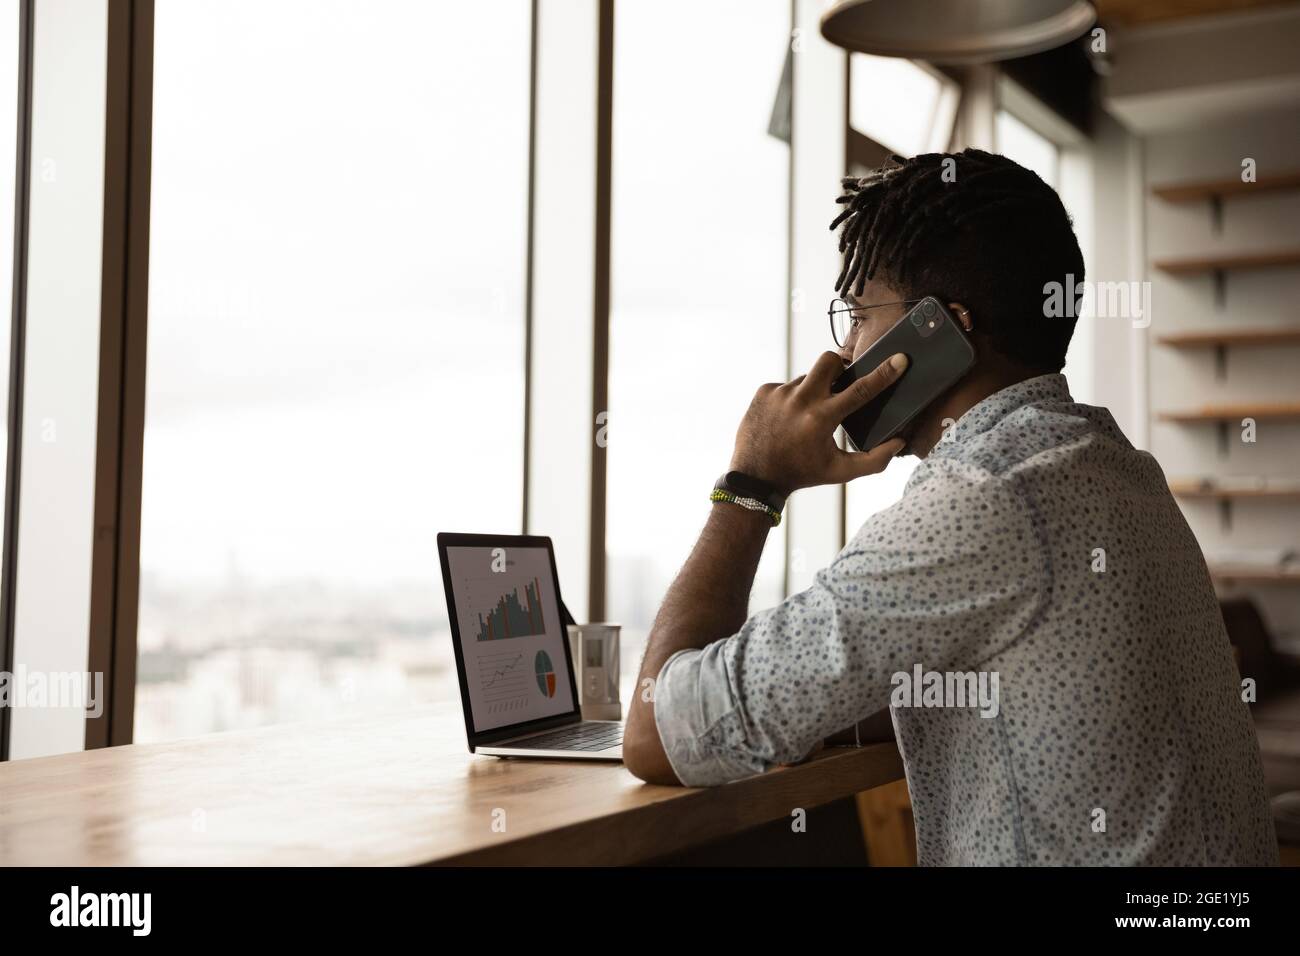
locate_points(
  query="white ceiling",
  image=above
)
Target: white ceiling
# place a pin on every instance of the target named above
(1183, 73)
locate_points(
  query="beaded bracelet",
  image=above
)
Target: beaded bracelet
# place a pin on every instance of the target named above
(752, 504)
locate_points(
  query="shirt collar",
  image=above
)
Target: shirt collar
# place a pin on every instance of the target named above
(987, 412)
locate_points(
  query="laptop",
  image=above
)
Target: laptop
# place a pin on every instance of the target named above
(512, 651)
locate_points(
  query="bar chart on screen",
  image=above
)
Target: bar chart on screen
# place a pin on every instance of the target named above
(509, 617)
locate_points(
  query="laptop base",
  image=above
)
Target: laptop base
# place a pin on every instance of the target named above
(613, 753)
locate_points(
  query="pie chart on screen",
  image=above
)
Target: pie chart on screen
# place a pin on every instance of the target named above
(545, 673)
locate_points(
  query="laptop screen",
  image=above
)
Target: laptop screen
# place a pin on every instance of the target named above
(511, 635)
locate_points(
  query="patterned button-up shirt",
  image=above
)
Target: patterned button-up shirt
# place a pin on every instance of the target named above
(1039, 619)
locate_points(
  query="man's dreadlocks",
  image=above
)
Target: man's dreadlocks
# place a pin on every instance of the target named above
(980, 230)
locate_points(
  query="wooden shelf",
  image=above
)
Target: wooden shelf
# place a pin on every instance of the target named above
(1276, 411)
(1227, 262)
(1222, 188)
(1221, 338)
(1248, 575)
(1227, 497)
(1191, 488)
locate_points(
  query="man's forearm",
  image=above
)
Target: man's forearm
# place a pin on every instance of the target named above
(708, 600)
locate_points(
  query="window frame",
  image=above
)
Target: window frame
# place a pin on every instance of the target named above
(115, 568)
(120, 238)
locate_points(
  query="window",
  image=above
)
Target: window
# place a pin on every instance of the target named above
(902, 105)
(335, 348)
(1037, 138)
(1029, 148)
(699, 253)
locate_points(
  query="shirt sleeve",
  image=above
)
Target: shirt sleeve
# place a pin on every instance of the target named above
(945, 578)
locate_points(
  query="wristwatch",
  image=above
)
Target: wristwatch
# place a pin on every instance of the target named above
(749, 492)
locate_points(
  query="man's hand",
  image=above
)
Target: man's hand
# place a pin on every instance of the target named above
(787, 437)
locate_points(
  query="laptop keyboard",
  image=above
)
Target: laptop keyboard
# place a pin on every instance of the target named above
(588, 735)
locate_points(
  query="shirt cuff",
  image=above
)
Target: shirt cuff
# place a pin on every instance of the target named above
(699, 720)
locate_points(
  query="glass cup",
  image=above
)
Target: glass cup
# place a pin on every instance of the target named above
(595, 650)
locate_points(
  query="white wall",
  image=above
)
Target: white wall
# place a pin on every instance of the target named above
(1117, 367)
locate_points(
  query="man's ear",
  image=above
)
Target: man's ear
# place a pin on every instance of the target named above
(963, 315)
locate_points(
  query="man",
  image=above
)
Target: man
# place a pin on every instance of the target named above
(1035, 553)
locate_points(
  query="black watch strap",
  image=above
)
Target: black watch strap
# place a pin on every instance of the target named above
(747, 486)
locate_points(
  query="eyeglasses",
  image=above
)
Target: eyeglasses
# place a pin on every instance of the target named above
(844, 323)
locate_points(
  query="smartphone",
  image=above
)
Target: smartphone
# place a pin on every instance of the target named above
(939, 353)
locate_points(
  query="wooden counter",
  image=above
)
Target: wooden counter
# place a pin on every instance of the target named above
(392, 790)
